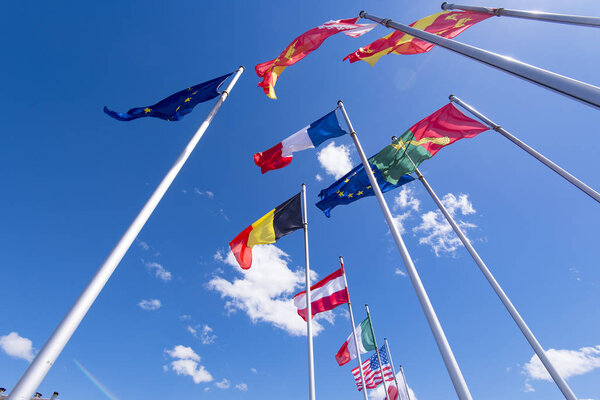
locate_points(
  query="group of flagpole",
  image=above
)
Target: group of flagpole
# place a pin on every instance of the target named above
(536, 15)
(377, 352)
(43, 361)
(311, 364)
(362, 375)
(456, 376)
(387, 347)
(570, 178)
(577, 90)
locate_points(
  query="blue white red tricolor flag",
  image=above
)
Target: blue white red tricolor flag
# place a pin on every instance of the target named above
(372, 372)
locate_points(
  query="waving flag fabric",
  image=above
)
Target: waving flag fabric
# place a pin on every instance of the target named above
(174, 107)
(372, 372)
(366, 343)
(302, 46)
(325, 295)
(447, 24)
(308, 137)
(354, 186)
(283, 219)
(423, 140)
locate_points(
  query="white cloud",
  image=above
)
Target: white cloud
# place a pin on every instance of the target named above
(187, 363)
(335, 159)
(528, 388)
(567, 362)
(265, 291)
(185, 317)
(319, 178)
(143, 245)
(159, 271)
(406, 199)
(254, 370)
(206, 193)
(399, 221)
(398, 271)
(224, 384)
(203, 332)
(242, 387)
(17, 346)
(150, 304)
(438, 233)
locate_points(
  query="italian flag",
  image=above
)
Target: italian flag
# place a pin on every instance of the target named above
(364, 333)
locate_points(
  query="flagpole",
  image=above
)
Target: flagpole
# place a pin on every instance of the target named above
(456, 376)
(311, 364)
(387, 347)
(377, 351)
(580, 91)
(560, 382)
(537, 15)
(566, 175)
(405, 384)
(362, 376)
(41, 364)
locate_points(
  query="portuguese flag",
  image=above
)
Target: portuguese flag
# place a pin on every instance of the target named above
(366, 343)
(283, 219)
(447, 24)
(423, 140)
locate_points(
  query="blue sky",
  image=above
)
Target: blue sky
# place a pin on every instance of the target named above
(73, 179)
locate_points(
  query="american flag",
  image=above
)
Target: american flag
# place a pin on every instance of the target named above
(371, 371)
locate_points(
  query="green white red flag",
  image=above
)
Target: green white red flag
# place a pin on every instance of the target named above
(366, 343)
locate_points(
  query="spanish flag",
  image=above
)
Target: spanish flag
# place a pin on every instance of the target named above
(447, 24)
(283, 219)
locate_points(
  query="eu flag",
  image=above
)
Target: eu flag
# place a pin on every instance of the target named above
(354, 186)
(174, 107)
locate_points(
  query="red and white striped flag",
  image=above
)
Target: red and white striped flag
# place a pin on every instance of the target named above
(372, 372)
(325, 295)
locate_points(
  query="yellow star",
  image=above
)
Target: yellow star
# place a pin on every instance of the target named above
(194, 92)
(177, 109)
(341, 194)
(369, 187)
(359, 192)
(350, 195)
(347, 180)
(187, 100)
(147, 110)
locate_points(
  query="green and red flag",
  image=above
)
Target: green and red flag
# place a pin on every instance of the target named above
(423, 140)
(366, 343)
(447, 24)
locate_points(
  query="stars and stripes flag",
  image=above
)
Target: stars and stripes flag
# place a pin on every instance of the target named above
(372, 372)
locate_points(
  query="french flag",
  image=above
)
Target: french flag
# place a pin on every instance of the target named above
(325, 295)
(309, 137)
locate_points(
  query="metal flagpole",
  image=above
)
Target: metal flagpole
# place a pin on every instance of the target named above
(541, 16)
(44, 360)
(377, 351)
(311, 364)
(362, 376)
(456, 376)
(387, 347)
(405, 384)
(581, 91)
(576, 182)
(560, 382)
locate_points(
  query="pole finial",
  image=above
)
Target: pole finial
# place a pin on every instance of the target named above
(361, 14)
(451, 97)
(242, 67)
(340, 103)
(444, 5)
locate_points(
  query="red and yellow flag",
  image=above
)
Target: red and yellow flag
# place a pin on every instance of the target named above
(447, 24)
(302, 46)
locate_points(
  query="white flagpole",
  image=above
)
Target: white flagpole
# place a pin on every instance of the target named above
(548, 163)
(405, 384)
(311, 364)
(362, 376)
(456, 376)
(385, 387)
(577, 90)
(560, 382)
(44, 360)
(387, 347)
(537, 15)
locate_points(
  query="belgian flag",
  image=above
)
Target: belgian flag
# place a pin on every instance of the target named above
(283, 219)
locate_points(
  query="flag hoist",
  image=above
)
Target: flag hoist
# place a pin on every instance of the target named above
(537, 15)
(44, 360)
(581, 91)
(456, 376)
(362, 376)
(573, 180)
(385, 387)
(560, 382)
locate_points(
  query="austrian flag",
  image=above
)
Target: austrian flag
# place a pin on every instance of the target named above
(325, 295)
